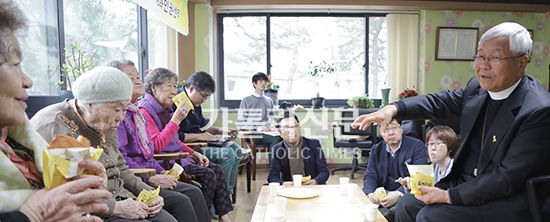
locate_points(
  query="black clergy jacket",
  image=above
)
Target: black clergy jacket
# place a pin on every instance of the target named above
(516, 148)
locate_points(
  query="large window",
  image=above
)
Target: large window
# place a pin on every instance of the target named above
(40, 46)
(289, 46)
(106, 30)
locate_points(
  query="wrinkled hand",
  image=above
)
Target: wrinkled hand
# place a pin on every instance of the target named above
(433, 195)
(311, 182)
(373, 199)
(180, 113)
(288, 183)
(200, 159)
(390, 200)
(165, 181)
(68, 202)
(404, 181)
(130, 209)
(382, 117)
(155, 206)
(206, 136)
(272, 128)
(95, 167)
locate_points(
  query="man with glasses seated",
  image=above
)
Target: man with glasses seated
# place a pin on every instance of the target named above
(199, 87)
(387, 163)
(296, 155)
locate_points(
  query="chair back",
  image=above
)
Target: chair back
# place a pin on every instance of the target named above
(348, 116)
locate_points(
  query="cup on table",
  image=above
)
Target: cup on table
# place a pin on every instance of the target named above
(344, 182)
(276, 217)
(372, 212)
(352, 189)
(297, 180)
(280, 204)
(274, 188)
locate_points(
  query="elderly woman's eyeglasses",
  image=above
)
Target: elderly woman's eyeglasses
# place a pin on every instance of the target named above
(494, 60)
(287, 129)
(436, 144)
(204, 96)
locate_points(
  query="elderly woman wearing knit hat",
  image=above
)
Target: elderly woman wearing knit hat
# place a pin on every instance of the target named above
(101, 98)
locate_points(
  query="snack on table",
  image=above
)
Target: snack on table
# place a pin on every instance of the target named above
(380, 193)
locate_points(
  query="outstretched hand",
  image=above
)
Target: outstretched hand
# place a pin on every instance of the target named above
(382, 117)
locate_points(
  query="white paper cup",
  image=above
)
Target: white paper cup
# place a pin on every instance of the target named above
(297, 180)
(352, 189)
(276, 217)
(274, 188)
(371, 210)
(280, 204)
(344, 182)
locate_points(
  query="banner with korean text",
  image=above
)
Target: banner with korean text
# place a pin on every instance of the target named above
(172, 12)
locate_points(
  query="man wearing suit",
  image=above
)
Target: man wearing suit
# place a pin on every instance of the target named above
(505, 120)
(296, 155)
(387, 162)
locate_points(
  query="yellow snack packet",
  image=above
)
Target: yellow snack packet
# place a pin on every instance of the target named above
(176, 171)
(147, 197)
(380, 193)
(306, 179)
(182, 98)
(421, 175)
(60, 165)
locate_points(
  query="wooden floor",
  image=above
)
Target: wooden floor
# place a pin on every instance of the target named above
(246, 201)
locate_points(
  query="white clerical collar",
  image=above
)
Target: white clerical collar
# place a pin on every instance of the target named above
(257, 95)
(504, 93)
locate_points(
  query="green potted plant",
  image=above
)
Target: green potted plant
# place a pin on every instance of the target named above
(361, 102)
(77, 62)
(318, 102)
(318, 71)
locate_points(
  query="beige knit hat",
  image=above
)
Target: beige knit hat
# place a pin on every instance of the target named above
(102, 85)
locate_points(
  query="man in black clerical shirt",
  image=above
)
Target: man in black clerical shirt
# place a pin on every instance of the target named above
(505, 120)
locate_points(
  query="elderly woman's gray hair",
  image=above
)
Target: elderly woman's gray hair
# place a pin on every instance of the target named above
(118, 63)
(157, 77)
(10, 18)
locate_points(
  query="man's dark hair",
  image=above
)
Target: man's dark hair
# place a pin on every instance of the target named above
(201, 81)
(118, 63)
(287, 114)
(259, 76)
(399, 121)
(10, 18)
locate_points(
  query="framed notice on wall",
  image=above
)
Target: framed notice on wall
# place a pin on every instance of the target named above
(453, 43)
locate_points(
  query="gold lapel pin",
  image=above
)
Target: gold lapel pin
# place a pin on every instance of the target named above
(494, 138)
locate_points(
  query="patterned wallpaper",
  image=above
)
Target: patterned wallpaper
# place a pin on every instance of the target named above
(435, 76)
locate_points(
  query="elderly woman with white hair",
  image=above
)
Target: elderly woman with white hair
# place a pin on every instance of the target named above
(101, 98)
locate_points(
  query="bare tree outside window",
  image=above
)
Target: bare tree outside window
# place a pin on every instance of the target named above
(296, 42)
